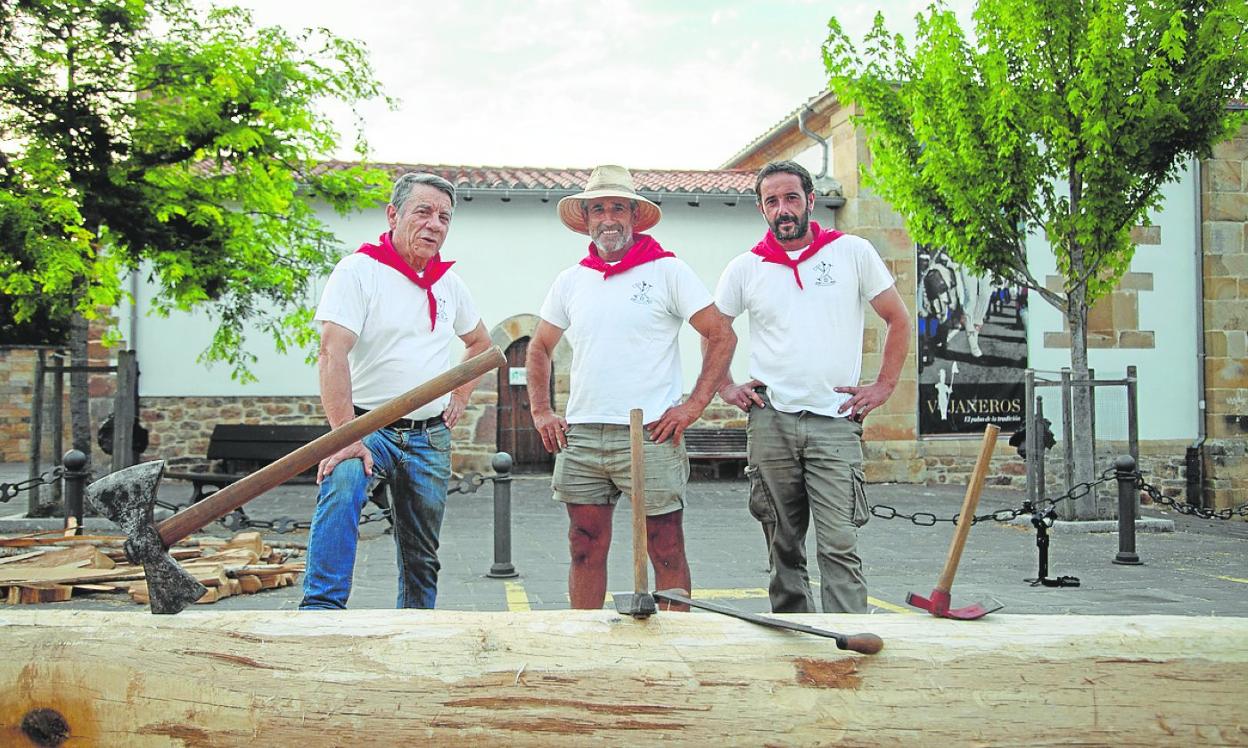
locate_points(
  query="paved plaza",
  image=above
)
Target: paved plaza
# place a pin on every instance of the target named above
(1200, 568)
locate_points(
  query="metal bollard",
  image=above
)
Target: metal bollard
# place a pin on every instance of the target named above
(75, 482)
(1125, 469)
(502, 567)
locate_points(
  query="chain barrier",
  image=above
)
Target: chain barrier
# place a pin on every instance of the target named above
(239, 520)
(1182, 507)
(9, 491)
(927, 519)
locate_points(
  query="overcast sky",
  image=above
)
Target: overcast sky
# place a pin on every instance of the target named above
(644, 83)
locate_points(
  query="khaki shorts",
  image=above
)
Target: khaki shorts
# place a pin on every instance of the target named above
(594, 469)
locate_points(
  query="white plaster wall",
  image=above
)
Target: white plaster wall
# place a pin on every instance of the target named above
(508, 253)
(1167, 374)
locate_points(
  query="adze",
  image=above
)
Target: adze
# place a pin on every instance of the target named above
(938, 603)
(861, 643)
(128, 496)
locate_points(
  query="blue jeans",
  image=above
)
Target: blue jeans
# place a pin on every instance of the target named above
(416, 464)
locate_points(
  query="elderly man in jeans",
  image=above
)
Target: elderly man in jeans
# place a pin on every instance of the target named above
(388, 316)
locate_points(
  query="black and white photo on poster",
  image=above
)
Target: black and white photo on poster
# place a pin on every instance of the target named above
(972, 348)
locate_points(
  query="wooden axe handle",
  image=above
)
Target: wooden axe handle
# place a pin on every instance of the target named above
(199, 515)
(637, 476)
(967, 515)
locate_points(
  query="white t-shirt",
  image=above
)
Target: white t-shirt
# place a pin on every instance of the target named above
(389, 314)
(623, 331)
(804, 342)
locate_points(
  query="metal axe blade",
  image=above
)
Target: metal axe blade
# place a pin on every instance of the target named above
(128, 497)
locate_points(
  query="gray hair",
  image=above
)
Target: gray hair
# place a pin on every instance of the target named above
(404, 184)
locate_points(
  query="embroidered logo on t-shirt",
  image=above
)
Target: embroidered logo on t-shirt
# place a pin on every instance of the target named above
(823, 274)
(642, 295)
(442, 304)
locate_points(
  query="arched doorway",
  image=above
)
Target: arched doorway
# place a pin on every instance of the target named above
(516, 435)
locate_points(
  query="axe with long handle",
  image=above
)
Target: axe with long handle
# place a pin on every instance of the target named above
(128, 496)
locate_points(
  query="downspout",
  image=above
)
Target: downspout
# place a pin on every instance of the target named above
(1195, 458)
(801, 125)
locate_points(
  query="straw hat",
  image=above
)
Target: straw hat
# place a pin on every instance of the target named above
(608, 181)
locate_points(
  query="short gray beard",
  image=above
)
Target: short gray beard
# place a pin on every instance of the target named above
(612, 247)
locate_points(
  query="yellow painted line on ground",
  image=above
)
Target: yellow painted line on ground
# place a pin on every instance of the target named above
(1214, 576)
(517, 598)
(747, 593)
(889, 606)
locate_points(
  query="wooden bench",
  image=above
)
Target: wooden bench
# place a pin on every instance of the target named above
(238, 449)
(715, 444)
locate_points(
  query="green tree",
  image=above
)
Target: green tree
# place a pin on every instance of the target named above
(1063, 117)
(147, 135)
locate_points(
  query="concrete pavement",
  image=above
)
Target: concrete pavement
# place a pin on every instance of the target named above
(1201, 568)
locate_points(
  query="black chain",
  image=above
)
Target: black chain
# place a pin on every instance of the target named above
(10, 490)
(239, 520)
(927, 519)
(1182, 507)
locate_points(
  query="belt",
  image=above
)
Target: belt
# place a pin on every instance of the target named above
(406, 424)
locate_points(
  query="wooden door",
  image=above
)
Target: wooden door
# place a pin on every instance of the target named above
(516, 435)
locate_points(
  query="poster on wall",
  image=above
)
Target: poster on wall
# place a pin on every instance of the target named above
(972, 347)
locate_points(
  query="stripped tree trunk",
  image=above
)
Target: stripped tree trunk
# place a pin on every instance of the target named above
(559, 678)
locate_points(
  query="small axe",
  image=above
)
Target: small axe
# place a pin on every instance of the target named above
(128, 496)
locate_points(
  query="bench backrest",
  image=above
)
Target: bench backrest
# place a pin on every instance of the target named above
(725, 442)
(259, 443)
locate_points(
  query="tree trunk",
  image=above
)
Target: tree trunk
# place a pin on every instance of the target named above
(556, 678)
(1083, 438)
(1081, 416)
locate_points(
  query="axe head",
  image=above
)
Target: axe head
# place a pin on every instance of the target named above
(128, 497)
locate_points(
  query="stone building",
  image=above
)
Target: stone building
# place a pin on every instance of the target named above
(1179, 314)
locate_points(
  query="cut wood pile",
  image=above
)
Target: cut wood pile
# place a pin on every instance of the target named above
(54, 569)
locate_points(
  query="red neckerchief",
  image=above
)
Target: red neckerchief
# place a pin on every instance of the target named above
(385, 253)
(770, 250)
(645, 249)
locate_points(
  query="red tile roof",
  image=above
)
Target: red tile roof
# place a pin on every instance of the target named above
(556, 180)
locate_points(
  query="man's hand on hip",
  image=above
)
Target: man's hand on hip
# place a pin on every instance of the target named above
(552, 429)
(673, 422)
(454, 410)
(864, 399)
(353, 451)
(742, 395)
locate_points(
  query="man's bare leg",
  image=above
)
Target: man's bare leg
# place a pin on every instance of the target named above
(665, 540)
(589, 539)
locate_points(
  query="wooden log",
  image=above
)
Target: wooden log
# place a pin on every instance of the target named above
(31, 594)
(556, 678)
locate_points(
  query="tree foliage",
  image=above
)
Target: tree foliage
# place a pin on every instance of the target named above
(1062, 116)
(146, 134)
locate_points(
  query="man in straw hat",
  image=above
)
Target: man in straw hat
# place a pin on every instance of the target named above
(806, 289)
(622, 307)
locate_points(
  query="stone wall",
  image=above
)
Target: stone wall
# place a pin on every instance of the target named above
(1224, 232)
